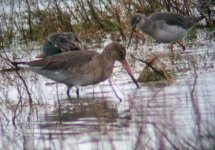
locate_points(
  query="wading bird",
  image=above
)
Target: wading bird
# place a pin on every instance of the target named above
(164, 27)
(81, 68)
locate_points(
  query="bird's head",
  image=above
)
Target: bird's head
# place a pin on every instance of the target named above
(117, 52)
(136, 21)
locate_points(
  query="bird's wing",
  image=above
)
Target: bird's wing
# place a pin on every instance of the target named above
(170, 18)
(66, 42)
(64, 61)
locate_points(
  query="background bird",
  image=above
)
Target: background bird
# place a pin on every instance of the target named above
(164, 27)
(60, 42)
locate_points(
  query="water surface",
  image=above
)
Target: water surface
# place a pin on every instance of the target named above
(159, 115)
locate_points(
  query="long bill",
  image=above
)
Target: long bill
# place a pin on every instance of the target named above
(127, 68)
(132, 31)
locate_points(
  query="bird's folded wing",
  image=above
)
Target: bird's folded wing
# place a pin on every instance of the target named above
(64, 60)
(170, 19)
(67, 42)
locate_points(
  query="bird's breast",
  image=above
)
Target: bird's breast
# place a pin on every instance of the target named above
(96, 71)
(169, 33)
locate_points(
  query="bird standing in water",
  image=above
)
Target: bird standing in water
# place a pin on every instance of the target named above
(81, 68)
(164, 27)
(60, 42)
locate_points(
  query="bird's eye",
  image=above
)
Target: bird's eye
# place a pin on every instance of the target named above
(122, 53)
(138, 19)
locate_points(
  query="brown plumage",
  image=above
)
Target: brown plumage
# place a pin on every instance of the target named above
(81, 68)
(60, 42)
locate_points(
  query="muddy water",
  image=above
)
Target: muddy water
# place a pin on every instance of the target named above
(159, 115)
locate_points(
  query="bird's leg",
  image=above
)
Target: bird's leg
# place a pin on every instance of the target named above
(172, 51)
(181, 44)
(67, 92)
(77, 92)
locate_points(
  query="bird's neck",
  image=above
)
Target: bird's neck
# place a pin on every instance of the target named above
(107, 63)
(108, 58)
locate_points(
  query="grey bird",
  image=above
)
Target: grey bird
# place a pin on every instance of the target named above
(60, 42)
(164, 27)
(81, 68)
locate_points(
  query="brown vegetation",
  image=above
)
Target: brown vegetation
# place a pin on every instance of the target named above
(91, 19)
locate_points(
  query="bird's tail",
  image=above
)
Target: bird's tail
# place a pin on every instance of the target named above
(15, 64)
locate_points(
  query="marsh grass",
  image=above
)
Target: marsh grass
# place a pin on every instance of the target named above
(35, 20)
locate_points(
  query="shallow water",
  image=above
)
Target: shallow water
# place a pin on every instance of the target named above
(159, 115)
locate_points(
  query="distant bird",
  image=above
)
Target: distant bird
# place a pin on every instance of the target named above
(164, 27)
(81, 68)
(61, 42)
